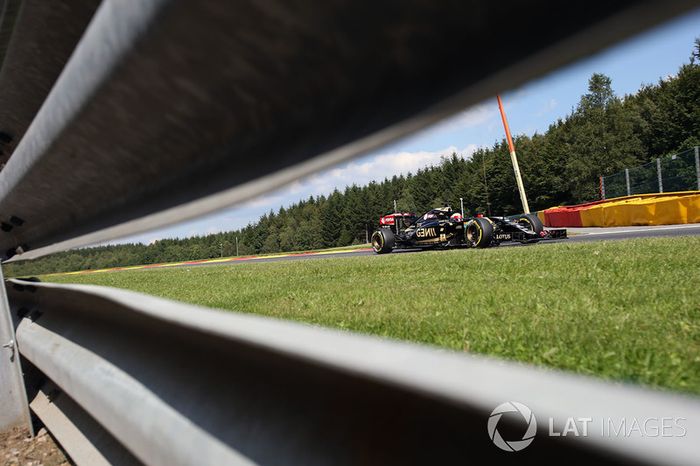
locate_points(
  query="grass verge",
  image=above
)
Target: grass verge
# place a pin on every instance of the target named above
(625, 310)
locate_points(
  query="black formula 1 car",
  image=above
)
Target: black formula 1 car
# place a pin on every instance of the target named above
(444, 228)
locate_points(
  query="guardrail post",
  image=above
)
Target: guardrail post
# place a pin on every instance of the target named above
(602, 187)
(14, 409)
(627, 180)
(658, 174)
(697, 165)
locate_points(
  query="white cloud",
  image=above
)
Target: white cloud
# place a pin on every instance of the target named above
(669, 77)
(277, 197)
(475, 116)
(213, 229)
(264, 200)
(374, 168)
(550, 105)
(360, 172)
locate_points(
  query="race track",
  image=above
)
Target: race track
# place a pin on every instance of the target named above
(576, 235)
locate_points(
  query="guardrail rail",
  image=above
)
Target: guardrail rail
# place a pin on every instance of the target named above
(121, 116)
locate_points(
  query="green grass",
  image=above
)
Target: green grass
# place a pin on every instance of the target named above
(626, 310)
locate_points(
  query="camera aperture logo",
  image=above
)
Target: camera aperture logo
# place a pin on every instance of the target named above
(528, 418)
(520, 418)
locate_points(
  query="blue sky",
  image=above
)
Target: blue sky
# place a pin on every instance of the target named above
(531, 108)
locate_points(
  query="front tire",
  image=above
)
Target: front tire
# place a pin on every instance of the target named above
(532, 222)
(383, 241)
(479, 233)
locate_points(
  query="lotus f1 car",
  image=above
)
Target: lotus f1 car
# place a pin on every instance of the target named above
(444, 228)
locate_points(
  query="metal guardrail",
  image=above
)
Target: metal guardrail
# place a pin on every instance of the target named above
(176, 110)
(36, 40)
(181, 384)
(168, 109)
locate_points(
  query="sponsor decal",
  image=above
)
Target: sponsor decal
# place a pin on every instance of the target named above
(503, 236)
(425, 232)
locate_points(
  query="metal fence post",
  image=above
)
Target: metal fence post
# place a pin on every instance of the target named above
(697, 165)
(627, 180)
(602, 187)
(658, 174)
(14, 409)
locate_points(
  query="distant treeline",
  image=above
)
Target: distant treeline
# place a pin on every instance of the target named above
(601, 136)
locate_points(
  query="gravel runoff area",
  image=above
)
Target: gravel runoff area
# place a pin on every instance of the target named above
(18, 448)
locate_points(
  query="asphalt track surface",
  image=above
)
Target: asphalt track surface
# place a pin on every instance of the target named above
(577, 235)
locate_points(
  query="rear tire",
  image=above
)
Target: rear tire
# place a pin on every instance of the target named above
(383, 241)
(479, 233)
(532, 222)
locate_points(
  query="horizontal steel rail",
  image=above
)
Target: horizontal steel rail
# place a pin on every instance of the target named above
(85, 441)
(156, 111)
(179, 384)
(194, 105)
(36, 39)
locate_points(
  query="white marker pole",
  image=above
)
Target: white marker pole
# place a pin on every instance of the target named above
(513, 158)
(396, 222)
(461, 204)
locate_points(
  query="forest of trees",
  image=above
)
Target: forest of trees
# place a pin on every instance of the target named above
(601, 136)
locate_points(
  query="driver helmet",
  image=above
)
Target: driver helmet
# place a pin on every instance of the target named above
(456, 216)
